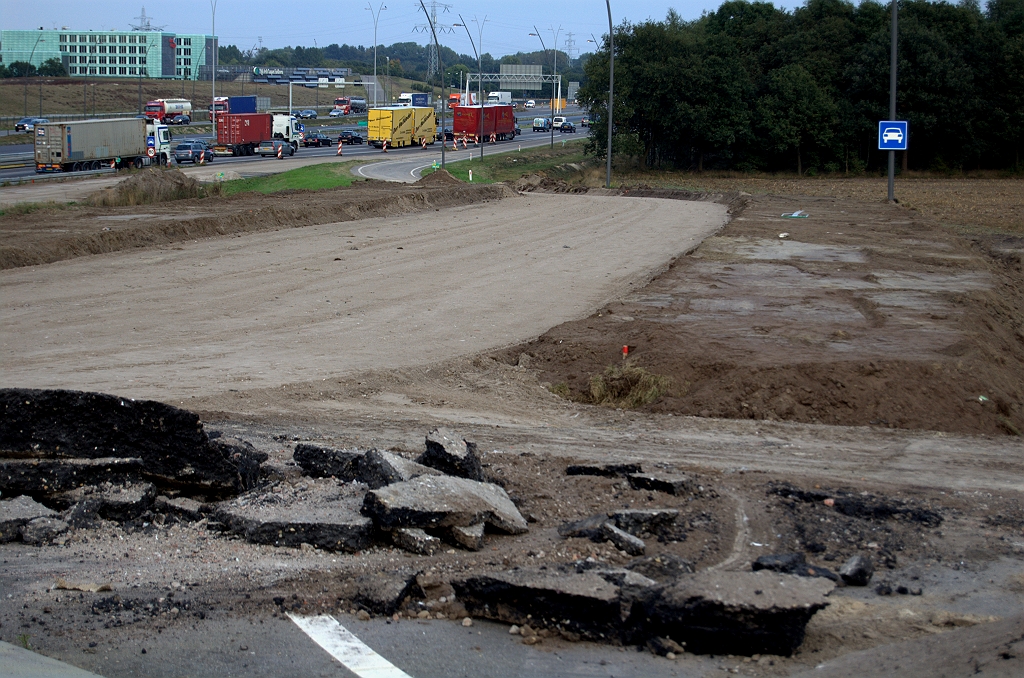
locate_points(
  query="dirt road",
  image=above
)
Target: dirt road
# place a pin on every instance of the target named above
(326, 301)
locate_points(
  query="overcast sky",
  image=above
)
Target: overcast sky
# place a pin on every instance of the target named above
(282, 23)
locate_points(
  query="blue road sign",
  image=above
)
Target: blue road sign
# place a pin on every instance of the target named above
(892, 135)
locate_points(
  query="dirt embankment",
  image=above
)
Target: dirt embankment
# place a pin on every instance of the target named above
(861, 314)
(50, 235)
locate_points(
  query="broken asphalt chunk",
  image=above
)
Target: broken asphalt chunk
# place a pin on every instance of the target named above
(377, 468)
(584, 603)
(603, 470)
(663, 568)
(382, 593)
(792, 563)
(471, 538)
(442, 501)
(415, 540)
(174, 448)
(671, 483)
(42, 530)
(48, 476)
(638, 521)
(112, 502)
(17, 512)
(741, 613)
(622, 540)
(857, 571)
(449, 453)
(325, 462)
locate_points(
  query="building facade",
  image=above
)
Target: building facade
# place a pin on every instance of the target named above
(112, 54)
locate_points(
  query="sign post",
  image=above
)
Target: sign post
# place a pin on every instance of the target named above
(892, 137)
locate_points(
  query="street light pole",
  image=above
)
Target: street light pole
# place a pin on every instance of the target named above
(558, 99)
(611, 90)
(30, 55)
(480, 73)
(440, 69)
(213, 80)
(375, 17)
(892, 103)
(544, 47)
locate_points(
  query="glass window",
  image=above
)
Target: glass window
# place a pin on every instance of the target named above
(142, 39)
(103, 70)
(122, 70)
(92, 49)
(142, 60)
(92, 38)
(131, 38)
(122, 60)
(103, 60)
(103, 38)
(64, 38)
(131, 60)
(122, 38)
(92, 70)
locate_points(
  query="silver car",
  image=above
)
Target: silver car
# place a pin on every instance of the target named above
(193, 152)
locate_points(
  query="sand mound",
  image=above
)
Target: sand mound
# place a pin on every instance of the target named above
(148, 186)
(439, 178)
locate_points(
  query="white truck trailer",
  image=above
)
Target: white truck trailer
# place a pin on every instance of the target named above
(95, 144)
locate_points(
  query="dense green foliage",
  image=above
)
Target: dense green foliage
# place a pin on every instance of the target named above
(753, 87)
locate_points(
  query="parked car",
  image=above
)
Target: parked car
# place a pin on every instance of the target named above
(567, 127)
(181, 120)
(349, 136)
(191, 151)
(317, 139)
(270, 147)
(307, 114)
(29, 124)
(530, 104)
(585, 122)
(336, 113)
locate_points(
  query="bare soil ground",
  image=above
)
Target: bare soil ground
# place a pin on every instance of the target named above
(884, 327)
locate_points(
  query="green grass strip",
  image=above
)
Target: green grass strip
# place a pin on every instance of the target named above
(310, 178)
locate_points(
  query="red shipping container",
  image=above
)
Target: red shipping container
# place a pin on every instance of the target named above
(244, 128)
(499, 121)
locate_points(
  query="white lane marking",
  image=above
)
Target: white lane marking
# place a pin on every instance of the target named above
(343, 645)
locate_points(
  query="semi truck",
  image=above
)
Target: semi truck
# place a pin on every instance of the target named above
(241, 133)
(288, 127)
(499, 98)
(240, 104)
(461, 99)
(391, 124)
(499, 122)
(94, 144)
(349, 105)
(163, 110)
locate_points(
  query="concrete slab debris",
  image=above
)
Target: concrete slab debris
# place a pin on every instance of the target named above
(17, 512)
(741, 613)
(442, 501)
(671, 483)
(449, 453)
(603, 470)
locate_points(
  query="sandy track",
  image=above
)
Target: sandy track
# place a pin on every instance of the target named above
(303, 304)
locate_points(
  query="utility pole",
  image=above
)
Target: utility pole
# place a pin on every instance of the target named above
(213, 82)
(892, 102)
(441, 67)
(611, 89)
(375, 18)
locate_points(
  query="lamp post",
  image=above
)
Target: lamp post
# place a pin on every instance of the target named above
(213, 81)
(30, 55)
(440, 70)
(611, 89)
(544, 47)
(480, 73)
(558, 99)
(149, 46)
(375, 17)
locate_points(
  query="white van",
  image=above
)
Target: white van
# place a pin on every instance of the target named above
(530, 104)
(542, 124)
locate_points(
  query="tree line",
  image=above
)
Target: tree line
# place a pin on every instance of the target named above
(51, 68)
(752, 87)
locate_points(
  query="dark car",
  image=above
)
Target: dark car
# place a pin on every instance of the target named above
(317, 139)
(308, 114)
(181, 120)
(448, 134)
(192, 151)
(270, 147)
(349, 136)
(29, 124)
(516, 131)
(567, 127)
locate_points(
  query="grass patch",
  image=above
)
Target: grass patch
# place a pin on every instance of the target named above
(627, 386)
(22, 208)
(310, 178)
(512, 165)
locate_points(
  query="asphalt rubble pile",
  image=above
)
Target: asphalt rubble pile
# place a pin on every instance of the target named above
(70, 459)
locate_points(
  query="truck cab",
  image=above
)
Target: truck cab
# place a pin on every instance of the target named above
(404, 99)
(158, 137)
(289, 128)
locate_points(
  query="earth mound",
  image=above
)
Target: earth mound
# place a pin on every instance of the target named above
(148, 186)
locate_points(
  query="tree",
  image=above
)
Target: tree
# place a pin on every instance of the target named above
(21, 69)
(53, 68)
(795, 111)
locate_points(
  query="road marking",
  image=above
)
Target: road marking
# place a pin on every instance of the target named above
(344, 646)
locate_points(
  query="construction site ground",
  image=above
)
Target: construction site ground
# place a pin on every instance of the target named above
(867, 352)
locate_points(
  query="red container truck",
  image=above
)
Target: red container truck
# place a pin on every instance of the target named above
(499, 122)
(241, 133)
